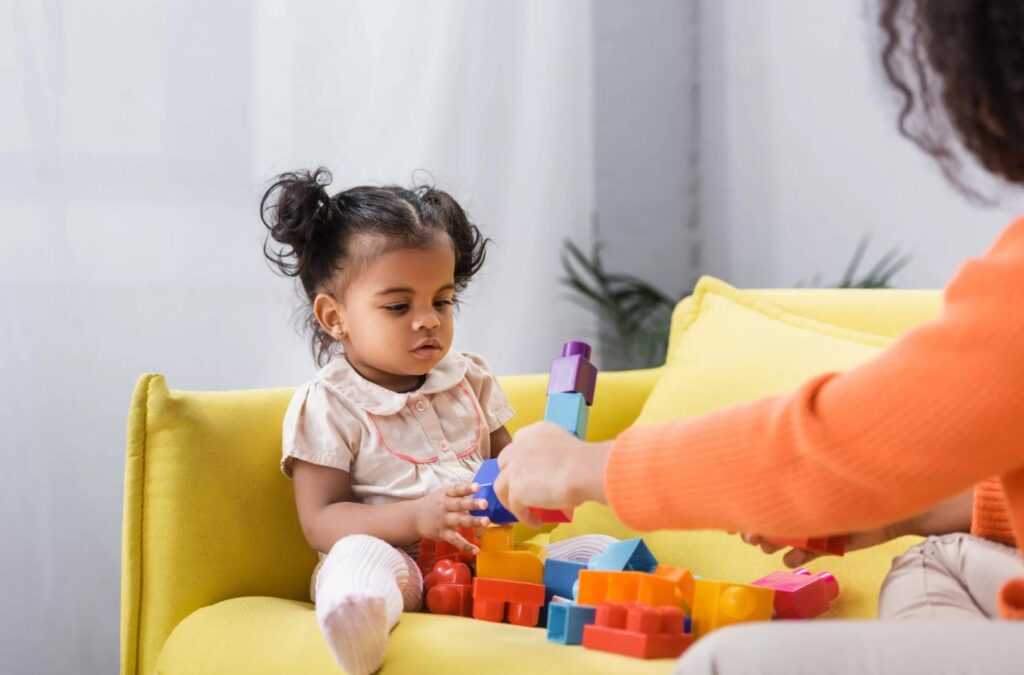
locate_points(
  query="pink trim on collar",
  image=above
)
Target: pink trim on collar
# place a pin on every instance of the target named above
(435, 458)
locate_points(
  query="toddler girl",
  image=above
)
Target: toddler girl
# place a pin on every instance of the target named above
(384, 442)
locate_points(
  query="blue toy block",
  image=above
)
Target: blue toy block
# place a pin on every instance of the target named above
(560, 575)
(496, 511)
(568, 411)
(566, 622)
(631, 555)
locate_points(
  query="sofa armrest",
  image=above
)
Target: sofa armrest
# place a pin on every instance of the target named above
(619, 397)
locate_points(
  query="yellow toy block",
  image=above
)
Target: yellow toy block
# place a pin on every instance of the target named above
(718, 603)
(499, 559)
(510, 565)
(683, 579)
(597, 586)
(498, 538)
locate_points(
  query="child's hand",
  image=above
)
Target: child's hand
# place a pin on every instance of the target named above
(441, 513)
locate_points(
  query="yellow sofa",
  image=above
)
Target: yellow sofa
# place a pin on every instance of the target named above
(215, 570)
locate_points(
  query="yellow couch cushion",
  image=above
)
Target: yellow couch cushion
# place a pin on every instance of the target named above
(271, 636)
(729, 347)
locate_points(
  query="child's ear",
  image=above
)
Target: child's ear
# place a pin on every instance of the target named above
(330, 315)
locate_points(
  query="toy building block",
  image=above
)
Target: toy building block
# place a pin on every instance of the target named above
(431, 551)
(596, 586)
(568, 411)
(552, 515)
(485, 477)
(454, 599)
(683, 579)
(448, 588)
(510, 565)
(638, 631)
(717, 604)
(566, 622)
(560, 576)
(573, 371)
(630, 555)
(498, 538)
(492, 597)
(800, 594)
(831, 545)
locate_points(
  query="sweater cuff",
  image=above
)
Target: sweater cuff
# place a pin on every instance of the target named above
(990, 518)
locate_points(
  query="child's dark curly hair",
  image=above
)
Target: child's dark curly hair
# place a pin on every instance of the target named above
(314, 236)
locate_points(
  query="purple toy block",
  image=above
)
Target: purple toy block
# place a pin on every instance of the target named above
(573, 372)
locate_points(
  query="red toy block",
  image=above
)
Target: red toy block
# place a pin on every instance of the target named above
(551, 515)
(632, 629)
(448, 572)
(800, 594)
(431, 551)
(491, 598)
(454, 599)
(831, 545)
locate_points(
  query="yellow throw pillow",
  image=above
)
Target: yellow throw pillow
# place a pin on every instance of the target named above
(735, 348)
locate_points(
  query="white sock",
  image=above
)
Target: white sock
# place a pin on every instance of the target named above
(581, 548)
(361, 590)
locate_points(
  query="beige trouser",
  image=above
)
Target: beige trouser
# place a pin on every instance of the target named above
(935, 609)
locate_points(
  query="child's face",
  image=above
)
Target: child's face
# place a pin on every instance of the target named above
(397, 314)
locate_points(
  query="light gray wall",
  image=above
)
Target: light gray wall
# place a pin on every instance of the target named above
(801, 156)
(646, 186)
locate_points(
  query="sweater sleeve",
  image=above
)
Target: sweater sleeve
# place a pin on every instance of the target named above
(937, 412)
(991, 518)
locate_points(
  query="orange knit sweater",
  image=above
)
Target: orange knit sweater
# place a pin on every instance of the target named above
(939, 411)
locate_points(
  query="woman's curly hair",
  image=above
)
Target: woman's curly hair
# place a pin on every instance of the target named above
(958, 66)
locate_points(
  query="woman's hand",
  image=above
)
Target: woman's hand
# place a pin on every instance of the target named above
(952, 515)
(547, 467)
(440, 514)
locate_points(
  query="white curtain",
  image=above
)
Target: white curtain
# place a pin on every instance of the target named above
(135, 140)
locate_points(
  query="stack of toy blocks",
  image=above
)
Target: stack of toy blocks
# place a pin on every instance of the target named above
(570, 394)
(508, 585)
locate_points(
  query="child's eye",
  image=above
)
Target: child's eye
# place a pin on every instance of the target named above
(439, 304)
(397, 308)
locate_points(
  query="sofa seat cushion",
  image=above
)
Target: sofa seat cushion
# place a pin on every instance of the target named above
(273, 636)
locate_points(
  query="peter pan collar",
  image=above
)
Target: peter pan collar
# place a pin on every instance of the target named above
(347, 383)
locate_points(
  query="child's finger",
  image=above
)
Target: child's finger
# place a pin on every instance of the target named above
(463, 504)
(455, 520)
(461, 489)
(459, 542)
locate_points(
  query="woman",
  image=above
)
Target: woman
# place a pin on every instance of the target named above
(934, 426)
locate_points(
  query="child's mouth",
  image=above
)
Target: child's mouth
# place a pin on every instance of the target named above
(427, 351)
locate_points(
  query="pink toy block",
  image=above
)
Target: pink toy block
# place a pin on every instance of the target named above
(573, 371)
(800, 594)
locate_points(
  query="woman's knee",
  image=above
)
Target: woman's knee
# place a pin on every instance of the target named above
(733, 650)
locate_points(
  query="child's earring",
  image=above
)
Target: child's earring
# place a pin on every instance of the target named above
(339, 333)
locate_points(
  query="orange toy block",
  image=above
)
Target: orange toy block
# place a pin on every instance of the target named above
(638, 631)
(492, 597)
(718, 603)
(683, 579)
(597, 586)
(431, 551)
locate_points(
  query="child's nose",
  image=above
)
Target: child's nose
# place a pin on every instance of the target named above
(428, 320)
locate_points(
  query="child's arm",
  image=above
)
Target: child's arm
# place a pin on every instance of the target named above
(323, 498)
